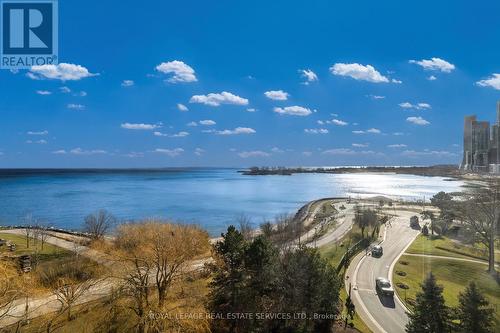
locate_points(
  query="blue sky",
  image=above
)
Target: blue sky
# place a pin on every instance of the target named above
(388, 83)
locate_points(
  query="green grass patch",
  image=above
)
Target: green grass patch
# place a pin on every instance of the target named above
(453, 275)
(443, 246)
(358, 323)
(48, 252)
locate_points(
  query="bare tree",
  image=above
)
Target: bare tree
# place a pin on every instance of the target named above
(245, 225)
(29, 222)
(8, 293)
(98, 224)
(480, 210)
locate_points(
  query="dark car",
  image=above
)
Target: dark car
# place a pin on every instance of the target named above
(384, 287)
(377, 251)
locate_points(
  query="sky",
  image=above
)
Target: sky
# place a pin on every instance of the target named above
(243, 83)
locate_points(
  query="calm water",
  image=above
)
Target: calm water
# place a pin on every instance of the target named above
(211, 197)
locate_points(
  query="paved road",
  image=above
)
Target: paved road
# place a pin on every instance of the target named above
(381, 314)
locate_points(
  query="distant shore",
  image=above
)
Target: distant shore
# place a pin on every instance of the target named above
(450, 171)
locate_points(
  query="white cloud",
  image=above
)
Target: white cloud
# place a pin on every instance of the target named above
(147, 127)
(339, 122)
(347, 151)
(360, 145)
(180, 72)
(43, 92)
(134, 154)
(434, 64)
(207, 122)
(73, 106)
(199, 151)
(81, 94)
(169, 152)
(255, 153)
(417, 121)
(432, 78)
(177, 135)
(398, 133)
(277, 95)
(60, 152)
(418, 106)
(293, 110)
(277, 150)
(307, 153)
(44, 132)
(375, 96)
(236, 131)
(308, 75)
(358, 132)
(397, 145)
(213, 99)
(373, 131)
(316, 131)
(62, 71)
(80, 151)
(65, 90)
(251, 110)
(127, 83)
(39, 142)
(182, 107)
(396, 81)
(192, 124)
(426, 152)
(493, 82)
(358, 72)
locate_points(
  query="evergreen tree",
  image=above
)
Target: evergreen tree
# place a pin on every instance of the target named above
(474, 312)
(430, 314)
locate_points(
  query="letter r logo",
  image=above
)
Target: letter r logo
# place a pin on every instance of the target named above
(28, 27)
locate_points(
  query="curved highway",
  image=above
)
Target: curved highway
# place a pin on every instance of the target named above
(381, 313)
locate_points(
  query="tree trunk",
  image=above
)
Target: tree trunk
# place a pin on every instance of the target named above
(491, 247)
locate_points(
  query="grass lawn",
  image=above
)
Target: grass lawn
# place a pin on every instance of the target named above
(444, 246)
(453, 275)
(48, 252)
(358, 323)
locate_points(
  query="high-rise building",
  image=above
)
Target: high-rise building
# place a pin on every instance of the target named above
(481, 145)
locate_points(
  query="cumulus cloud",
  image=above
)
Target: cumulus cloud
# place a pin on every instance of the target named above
(347, 151)
(434, 64)
(308, 75)
(316, 131)
(236, 131)
(277, 95)
(38, 142)
(78, 107)
(140, 126)
(65, 90)
(207, 122)
(360, 145)
(418, 106)
(375, 96)
(62, 71)
(192, 124)
(293, 110)
(44, 132)
(182, 107)
(177, 135)
(417, 121)
(251, 110)
(358, 72)
(277, 150)
(493, 81)
(60, 152)
(179, 71)
(397, 145)
(427, 152)
(199, 151)
(214, 99)
(373, 131)
(255, 153)
(43, 92)
(339, 122)
(80, 151)
(169, 152)
(431, 78)
(127, 83)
